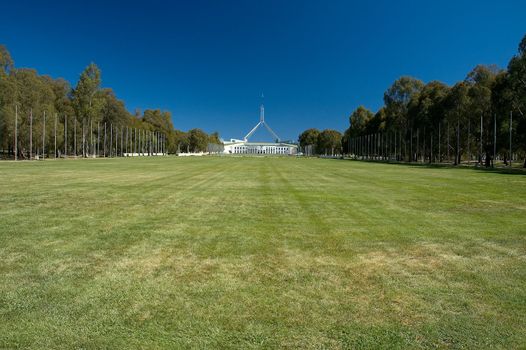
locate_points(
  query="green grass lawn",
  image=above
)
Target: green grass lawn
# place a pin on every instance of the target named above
(260, 252)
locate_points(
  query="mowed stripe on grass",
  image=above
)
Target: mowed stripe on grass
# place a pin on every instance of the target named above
(260, 252)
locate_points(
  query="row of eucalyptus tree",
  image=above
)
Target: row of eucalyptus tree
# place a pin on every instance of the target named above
(42, 117)
(480, 119)
(315, 142)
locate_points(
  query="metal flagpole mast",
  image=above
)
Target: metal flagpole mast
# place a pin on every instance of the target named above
(366, 146)
(91, 149)
(85, 142)
(405, 143)
(110, 144)
(494, 139)
(457, 161)
(448, 158)
(418, 149)
(116, 132)
(375, 146)
(16, 132)
(511, 127)
(104, 146)
(122, 139)
(387, 146)
(481, 130)
(411, 146)
(396, 156)
(469, 143)
(98, 139)
(395, 145)
(400, 146)
(439, 154)
(75, 137)
(44, 137)
(424, 146)
(56, 135)
(83, 138)
(31, 134)
(65, 136)
(111, 138)
(400, 155)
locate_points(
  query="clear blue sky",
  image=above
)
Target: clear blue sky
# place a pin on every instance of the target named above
(208, 61)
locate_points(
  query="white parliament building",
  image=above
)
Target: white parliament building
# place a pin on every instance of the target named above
(235, 146)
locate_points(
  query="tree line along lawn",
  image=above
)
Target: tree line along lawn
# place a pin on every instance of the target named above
(248, 252)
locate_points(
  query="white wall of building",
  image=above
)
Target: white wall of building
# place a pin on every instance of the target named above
(255, 148)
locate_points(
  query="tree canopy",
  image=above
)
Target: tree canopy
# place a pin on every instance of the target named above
(329, 142)
(88, 103)
(309, 137)
(479, 108)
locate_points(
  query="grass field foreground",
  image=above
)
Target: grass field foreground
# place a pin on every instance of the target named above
(260, 252)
